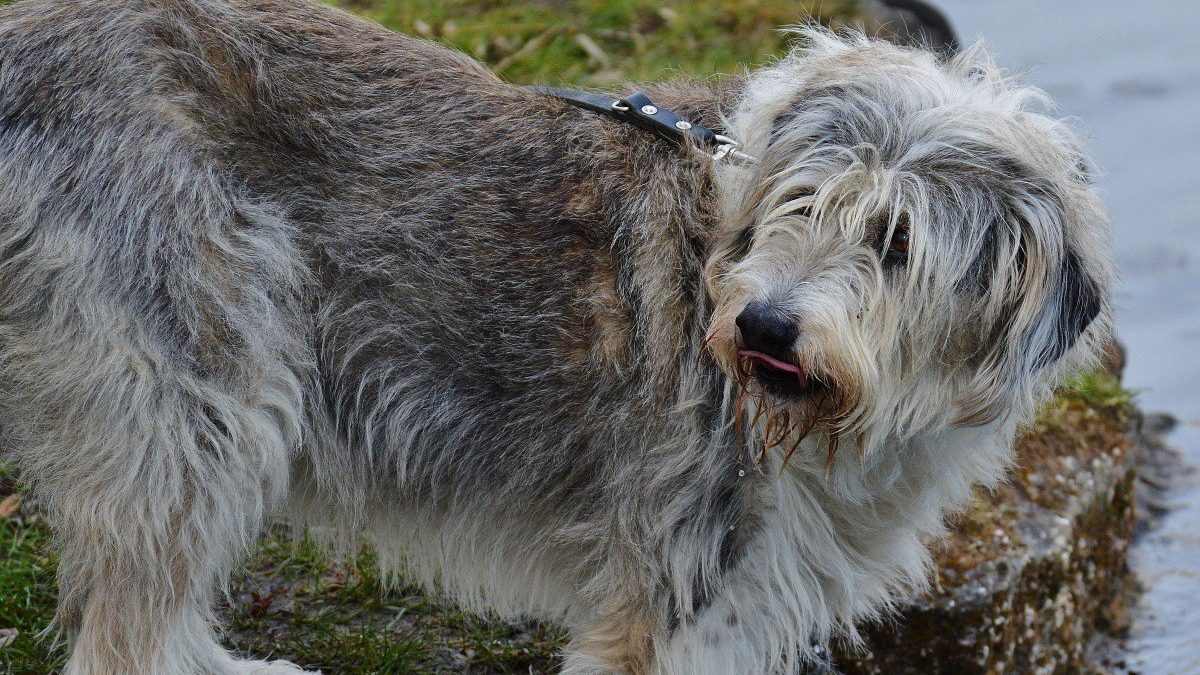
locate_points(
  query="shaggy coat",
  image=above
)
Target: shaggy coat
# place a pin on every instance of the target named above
(261, 257)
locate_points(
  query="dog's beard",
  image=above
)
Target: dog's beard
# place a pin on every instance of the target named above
(822, 411)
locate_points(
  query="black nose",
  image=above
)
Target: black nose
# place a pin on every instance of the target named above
(766, 330)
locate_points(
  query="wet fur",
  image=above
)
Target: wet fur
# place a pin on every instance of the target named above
(262, 257)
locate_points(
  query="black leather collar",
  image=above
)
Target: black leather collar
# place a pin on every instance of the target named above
(640, 110)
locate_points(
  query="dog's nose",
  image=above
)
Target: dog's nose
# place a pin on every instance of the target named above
(767, 330)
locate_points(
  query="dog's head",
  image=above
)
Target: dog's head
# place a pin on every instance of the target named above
(918, 246)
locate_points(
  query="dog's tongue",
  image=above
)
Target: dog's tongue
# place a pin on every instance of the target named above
(775, 364)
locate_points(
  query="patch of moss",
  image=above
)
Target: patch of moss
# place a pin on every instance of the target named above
(291, 602)
(1087, 421)
(1101, 391)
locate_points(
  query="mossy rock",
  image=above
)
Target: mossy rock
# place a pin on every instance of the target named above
(1036, 568)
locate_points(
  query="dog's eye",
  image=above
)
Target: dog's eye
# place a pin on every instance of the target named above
(898, 247)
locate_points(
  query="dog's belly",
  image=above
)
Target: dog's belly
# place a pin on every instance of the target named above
(487, 558)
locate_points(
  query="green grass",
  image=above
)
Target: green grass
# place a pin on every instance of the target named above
(1088, 393)
(27, 592)
(1102, 391)
(544, 41)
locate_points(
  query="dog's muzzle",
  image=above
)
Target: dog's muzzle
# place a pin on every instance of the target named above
(766, 340)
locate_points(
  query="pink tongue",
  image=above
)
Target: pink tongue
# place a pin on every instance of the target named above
(775, 364)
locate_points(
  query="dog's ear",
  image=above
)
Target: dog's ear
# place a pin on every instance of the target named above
(1044, 324)
(1071, 308)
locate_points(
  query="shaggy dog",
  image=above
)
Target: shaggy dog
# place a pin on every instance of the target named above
(261, 257)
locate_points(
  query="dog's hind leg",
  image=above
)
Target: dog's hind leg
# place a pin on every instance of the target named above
(156, 412)
(155, 480)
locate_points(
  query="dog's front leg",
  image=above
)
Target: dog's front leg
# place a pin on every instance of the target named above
(749, 627)
(757, 597)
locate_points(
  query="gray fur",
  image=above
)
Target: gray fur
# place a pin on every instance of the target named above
(261, 257)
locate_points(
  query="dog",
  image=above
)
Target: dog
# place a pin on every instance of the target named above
(265, 259)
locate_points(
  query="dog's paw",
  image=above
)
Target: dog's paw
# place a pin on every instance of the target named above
(272, 668)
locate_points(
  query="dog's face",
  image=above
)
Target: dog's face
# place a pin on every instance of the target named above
(916, 247)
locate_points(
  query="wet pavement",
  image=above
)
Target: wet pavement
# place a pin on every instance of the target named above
(1130, 71)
